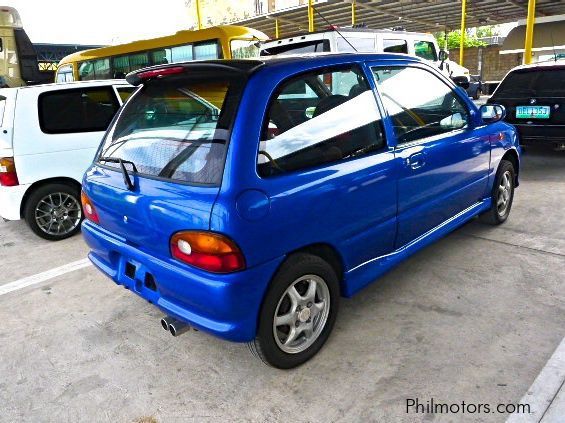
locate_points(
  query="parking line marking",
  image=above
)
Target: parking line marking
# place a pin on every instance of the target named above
(545, 388)
(44, 276)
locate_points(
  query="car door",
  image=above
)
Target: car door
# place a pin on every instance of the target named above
(443, 160)
(67, 130)
(327, 172)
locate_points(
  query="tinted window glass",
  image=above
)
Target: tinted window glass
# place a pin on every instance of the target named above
(77, 110)
(316, 46)
(124, 64)
(172, 54)
(356, 44)
(125, 92)
(395, 46)
(548, 82)
(425, 50)
(419, 103)
(206, 51)
(335, 118)
(177, 130)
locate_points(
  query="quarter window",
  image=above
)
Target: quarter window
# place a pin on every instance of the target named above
(77, 110)
(419, 103)
(319, 118)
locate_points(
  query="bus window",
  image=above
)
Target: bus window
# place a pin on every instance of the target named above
(122, 65)
(425, 50)
(65, 74)
(172, 55)
(94, 69)
(125, 92)
(395, 46)
(205, 51)
(243, 49)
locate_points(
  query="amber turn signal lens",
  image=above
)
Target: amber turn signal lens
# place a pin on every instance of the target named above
(208, 251)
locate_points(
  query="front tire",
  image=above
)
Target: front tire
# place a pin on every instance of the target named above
(298, 312)
(502, 194)
(478, 94)
(54, 212)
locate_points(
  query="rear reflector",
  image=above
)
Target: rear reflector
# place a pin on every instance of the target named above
(88, 208)
(208, 251)
(8, 175)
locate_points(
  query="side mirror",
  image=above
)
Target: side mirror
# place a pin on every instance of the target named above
(461, 81)
(491, 113)
(443, 55)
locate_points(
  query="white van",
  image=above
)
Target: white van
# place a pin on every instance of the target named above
(48, 137)
(366, 40)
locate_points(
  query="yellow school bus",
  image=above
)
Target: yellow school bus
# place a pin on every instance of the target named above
(220, 42)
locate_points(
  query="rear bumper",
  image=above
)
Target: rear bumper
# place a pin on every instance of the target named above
(11, 201)
(225, 305)
(541, 134)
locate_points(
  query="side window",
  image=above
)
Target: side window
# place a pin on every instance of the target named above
(352, 44)
(125, 92)
(419, 103)
(425, 50)
(94, 69)
(206, 51)
(319, 118)
(395, 46)
(172, 54)
(122, 65)
(77, 110)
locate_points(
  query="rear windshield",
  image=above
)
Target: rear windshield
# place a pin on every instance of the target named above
(176, 129)
(315, 46)
(539, 82)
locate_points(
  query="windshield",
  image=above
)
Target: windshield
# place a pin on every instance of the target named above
(538, 82)
(176, 129)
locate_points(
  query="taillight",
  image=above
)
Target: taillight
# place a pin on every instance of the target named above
(175, 70)
(208, 251)
(88, 208)
(8, 175)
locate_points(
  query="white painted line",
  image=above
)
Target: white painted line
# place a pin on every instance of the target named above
(544, 389)
(44, 276)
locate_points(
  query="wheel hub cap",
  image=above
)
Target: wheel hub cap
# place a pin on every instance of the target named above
(304, 315)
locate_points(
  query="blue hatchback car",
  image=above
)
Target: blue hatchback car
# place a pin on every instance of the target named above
(244, 197)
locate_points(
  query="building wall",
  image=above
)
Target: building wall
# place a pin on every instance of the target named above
(494, 64)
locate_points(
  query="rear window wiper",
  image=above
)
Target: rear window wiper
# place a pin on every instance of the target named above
(127, 178)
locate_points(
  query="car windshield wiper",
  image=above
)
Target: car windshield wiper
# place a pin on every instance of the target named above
(127, 178)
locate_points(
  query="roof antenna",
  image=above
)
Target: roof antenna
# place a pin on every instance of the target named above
(553, 45)
(334, 28)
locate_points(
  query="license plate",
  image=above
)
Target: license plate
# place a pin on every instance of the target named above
(532, 112)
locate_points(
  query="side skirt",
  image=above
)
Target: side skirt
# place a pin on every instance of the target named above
(364, 274)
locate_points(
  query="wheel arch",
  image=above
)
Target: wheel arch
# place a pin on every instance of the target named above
(57, 180)
(512, 156)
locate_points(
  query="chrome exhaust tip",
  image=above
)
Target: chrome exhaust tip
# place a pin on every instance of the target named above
(177, 328)
(166, 322)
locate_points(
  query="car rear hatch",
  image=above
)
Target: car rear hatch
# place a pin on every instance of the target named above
(160, 165)
(533, 96)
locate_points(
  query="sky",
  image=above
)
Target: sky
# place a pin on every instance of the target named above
(101, 21)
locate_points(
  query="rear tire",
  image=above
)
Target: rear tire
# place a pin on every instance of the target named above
(294, 325)
(54, 212)
(478, 94)
(502, 194)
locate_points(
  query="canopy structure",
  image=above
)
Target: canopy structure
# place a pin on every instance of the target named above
(413, 15)
(549, 35)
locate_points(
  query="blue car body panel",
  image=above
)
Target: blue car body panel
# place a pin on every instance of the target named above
(373, 210)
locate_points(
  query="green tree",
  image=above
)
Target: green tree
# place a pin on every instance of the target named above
(454, 40)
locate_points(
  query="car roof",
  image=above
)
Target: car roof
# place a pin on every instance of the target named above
(75, 84)
(298, 37)
(249, 66)
(559, 64)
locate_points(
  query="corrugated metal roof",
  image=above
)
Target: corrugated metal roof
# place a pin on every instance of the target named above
(413, 15)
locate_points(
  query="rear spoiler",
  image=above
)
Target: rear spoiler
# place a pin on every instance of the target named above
(242, 67)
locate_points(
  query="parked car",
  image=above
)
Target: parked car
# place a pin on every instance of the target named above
(308, 184)
(534, 96)
(48, 137)
(475, 88)
(365, 40)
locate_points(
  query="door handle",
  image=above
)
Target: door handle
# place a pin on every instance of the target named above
(416, 160)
